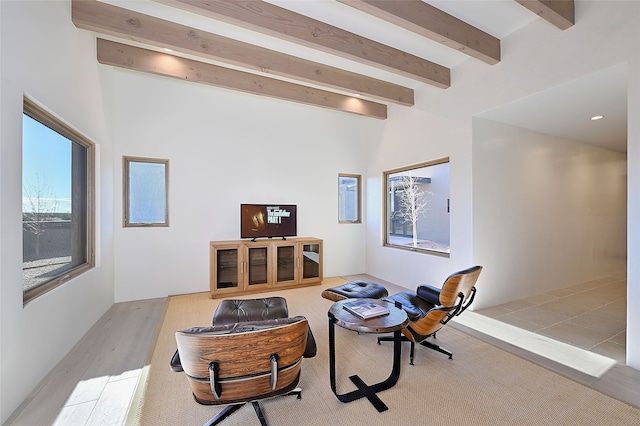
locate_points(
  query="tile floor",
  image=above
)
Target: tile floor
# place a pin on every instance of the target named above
(591, 315)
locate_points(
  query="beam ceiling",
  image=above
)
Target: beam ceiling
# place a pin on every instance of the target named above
(560, 13)
(434, 24)
(123, 23)
(276, 21)
(213, 59)
(150, 61)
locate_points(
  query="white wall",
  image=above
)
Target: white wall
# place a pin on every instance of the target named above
(226, 148)
(434, 128)
(537, 57)
(46, 57)
(548, 212)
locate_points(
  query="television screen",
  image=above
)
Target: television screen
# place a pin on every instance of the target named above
(267, 220)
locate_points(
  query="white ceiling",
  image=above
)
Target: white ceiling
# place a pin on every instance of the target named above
(565, 111)
(562, 111)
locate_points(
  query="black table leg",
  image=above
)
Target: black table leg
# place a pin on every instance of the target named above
(332, 353)
(364, 390)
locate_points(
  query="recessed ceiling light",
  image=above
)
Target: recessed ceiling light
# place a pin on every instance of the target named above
(597, 117)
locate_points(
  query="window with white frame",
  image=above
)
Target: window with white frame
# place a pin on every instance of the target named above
(57, 202)
(417, 207)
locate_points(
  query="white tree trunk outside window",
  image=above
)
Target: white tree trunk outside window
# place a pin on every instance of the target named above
(41, 205)
(417, 207)
(413, 203)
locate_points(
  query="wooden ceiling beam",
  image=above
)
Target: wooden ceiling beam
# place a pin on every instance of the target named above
(123, 23)
(149, 61)
(276, 21)
(434, 24)
(560, 13)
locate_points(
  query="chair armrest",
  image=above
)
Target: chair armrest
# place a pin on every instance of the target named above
(414, 306)
(469, 300)
(429, 293)
(311, 349)
(176, 365)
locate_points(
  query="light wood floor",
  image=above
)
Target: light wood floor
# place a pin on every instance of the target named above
(95, 383)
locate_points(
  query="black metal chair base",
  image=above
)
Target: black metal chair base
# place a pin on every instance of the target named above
(230, 409)
(424, 343)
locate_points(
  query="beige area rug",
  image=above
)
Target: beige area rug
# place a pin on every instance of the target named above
(482, 385)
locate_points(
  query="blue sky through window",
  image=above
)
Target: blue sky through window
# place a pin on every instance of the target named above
(46, 166)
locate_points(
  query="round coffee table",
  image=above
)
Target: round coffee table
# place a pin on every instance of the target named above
(394, 322)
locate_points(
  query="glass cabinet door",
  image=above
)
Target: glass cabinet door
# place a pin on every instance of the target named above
(311, 254)
(285, 263)
(227, 268)
(257, 266)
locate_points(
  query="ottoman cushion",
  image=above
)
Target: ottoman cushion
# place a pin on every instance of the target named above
(356, 289)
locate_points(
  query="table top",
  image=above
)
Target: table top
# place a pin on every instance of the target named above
(395, 320)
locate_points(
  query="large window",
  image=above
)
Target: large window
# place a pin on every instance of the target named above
(417, 207)
(57, 202)
(349, 198)
(146, 192)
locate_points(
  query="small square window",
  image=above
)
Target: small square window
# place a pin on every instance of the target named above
(146, 192)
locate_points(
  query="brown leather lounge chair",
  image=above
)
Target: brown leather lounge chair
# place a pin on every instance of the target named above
(233, 364)
(262, 320)
(429, 308)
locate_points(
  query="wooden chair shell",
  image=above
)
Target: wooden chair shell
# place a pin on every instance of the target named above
(243, 362)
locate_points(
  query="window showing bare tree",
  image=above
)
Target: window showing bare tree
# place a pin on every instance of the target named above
(41, 207)
(417, 207)
(413, 200)
(57, 202)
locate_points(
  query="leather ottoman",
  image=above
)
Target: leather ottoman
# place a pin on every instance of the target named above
(357, 289)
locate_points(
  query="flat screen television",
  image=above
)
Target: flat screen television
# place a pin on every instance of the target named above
(267, 220)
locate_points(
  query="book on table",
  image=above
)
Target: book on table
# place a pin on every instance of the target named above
(365, 309)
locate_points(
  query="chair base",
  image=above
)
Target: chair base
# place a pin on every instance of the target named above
(230, 409)
(424, 343)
